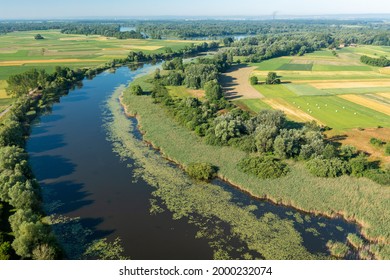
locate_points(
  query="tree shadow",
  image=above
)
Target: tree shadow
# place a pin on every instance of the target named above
(46, 143)
(51, 167)
(66, 197)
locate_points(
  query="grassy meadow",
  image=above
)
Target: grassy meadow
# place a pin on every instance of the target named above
(19, 52)
(316, 83)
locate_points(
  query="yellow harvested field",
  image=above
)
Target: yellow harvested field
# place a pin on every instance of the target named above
(86, 38)
(22, 62)
(369, 103)
(356, 84)
(384, 94)
(384, 70)
(289, 110)
(361, 140)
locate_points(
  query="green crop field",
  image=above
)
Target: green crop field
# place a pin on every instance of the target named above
(254, 105)
(305, 89)
(296, 67)
(340, 113)
(313, 82)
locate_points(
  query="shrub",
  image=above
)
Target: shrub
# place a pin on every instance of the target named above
(381, 177)
(254, 80)
(377, 142)
(264, 167)
(358, 165)
(387, 149)
(136, 90)
(201, 171)
(272, 79)
(337, 249)
(321, 167)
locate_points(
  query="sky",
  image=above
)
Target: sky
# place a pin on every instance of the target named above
(46, 9)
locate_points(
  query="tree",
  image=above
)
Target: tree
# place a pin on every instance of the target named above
(253, 80)
(213, 90)
(358, 165)
(201, 171)
(272, 79)
(264, 137)
(38, 37)
(136, 89)
(264, 167)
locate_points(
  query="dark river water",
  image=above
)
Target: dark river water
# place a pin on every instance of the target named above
(79, 172)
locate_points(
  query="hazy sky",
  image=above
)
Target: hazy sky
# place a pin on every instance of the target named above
(130, 8)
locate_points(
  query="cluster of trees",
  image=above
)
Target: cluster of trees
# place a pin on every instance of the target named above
(19, 189)
(341, 32)
(108, 30)
(380, 62)
(169, 53)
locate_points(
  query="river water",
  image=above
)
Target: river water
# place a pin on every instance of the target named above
(82, 177)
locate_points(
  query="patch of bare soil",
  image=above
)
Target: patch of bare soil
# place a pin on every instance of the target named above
(236, 85)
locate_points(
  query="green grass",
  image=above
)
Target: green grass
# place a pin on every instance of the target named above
(305, 89)
(356, 199)
(272, 64)
(254, 105)
(364, 90)
(273, 91)
(338, 113)
(296, 67)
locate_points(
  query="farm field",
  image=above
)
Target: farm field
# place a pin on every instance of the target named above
(19, 52)
(336, 90)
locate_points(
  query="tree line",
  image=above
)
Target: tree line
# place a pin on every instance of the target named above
(379, 62)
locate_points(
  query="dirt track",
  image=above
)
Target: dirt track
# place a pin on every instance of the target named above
(236, 83)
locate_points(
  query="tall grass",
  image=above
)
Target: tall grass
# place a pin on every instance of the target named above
(359, 200)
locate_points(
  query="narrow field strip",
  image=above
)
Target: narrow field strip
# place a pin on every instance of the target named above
(289, 110)
(355, 84)
(366, 102)
(21, 62)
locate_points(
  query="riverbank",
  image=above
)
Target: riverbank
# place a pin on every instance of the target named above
(367, 203)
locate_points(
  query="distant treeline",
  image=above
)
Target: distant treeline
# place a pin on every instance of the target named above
(108, 30)
(103, 28)
(342, 32)
(380, 62)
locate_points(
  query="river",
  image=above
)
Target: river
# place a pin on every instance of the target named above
(81, 176)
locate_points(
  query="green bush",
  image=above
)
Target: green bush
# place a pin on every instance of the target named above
(377, 142)
(136, 90)
(201, 171)
(321, 167)
(381, 177)
(358, 165)
(254, 80)
(387, 149)
(264, 167)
